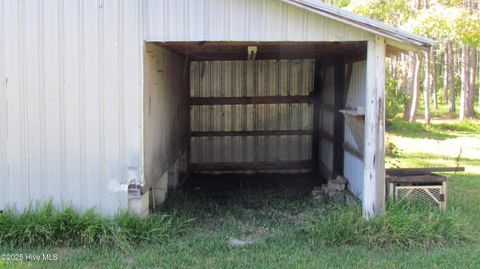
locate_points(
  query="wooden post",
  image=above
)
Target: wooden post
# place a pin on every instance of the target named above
(317, 113)
(338, 119)
(374, 152)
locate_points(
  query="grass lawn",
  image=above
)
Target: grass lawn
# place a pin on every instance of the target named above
(272, 216)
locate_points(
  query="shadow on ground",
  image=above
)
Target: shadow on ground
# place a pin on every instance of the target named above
(238, 198)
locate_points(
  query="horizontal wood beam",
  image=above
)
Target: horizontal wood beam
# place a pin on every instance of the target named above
(327, 136)
(252, 133)
(324, 171)
(266, 165)
(352, 150)
(327, 107)
(419, 179)
(357, 55)
(250, 100)
(419, 171)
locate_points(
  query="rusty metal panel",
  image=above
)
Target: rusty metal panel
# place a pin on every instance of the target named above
(251, 79)
(70, 102)
(353, 168)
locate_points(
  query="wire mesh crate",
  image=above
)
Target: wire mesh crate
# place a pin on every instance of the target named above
(429, 189)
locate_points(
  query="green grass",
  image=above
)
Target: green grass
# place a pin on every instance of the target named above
(47, 226)
(438, 131)
(276, 219)
(405, 225)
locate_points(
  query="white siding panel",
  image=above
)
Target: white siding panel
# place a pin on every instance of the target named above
(91, 91)
(241, 20)
(353, 168)
(275, 20)
(53, 103)
(33, 100)
(353, 171)
(217, 13)
(296, 24)
(356, 94)
(238, 27)
(13, 69)
(196, 15)
(3, 112)
(70, 102)
(71, 81)
(132, 74)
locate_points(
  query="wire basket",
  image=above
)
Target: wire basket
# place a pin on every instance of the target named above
(428, 189)
(428, 195)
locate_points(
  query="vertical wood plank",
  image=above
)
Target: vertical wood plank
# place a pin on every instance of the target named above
(374, 152)
(338, 119)
(316, 114)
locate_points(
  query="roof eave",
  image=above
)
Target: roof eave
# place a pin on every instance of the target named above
(363, 23)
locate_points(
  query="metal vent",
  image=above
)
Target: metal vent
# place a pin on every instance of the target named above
(429, 195)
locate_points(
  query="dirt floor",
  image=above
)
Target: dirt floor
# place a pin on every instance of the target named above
(227, 186)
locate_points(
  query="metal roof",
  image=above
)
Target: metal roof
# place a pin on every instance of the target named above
(361, 22)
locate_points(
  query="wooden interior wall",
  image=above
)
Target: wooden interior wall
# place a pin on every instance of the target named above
(253, 116)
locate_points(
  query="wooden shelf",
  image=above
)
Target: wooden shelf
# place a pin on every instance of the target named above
(359, 112)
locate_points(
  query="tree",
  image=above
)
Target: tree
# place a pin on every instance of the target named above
(415, 89)
(450, 75)
(434, 78)
(467, 31)
(427, 86)
(394, 12)
(455, 25)
(465, 94)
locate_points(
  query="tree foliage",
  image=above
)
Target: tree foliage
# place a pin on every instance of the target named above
(453, 24)
(447, 23)
(394, 100)
(394, 12)
(442, 20)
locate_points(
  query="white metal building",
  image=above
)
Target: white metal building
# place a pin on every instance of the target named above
(97, 94)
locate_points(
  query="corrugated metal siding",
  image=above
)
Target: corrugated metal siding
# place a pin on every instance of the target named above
(241, 20)
(70, 101)
(258, 78)
(326, 119)
(353, 167)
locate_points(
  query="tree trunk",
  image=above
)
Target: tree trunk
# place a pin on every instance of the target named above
(426, 4)
(409, 84)
(465, 90)
(473, 73)
(451, 77)
(445, 75)
(426, 86)
(416, 89)
(434, 79)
